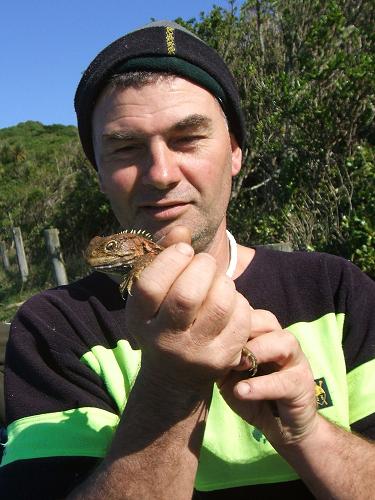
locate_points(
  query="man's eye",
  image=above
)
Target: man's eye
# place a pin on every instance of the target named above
(189, 139)
(127, 148)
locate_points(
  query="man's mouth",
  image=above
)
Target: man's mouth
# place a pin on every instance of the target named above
(165, 210)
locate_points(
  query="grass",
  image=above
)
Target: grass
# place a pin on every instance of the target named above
(10, 301)
(13, 292)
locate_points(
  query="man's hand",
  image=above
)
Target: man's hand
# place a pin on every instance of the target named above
(189, 321)
(280, 400)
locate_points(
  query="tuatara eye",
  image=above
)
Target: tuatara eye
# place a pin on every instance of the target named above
(111, 245)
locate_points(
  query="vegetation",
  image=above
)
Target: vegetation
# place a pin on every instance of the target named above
(46, 182)
(306, 76)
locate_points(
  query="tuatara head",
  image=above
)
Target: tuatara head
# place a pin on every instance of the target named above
(119, 251)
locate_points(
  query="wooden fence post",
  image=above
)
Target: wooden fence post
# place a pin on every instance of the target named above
(21, 256)
(54, 250)
(4, 256)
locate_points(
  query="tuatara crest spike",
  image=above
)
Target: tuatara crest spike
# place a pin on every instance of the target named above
(141, 232)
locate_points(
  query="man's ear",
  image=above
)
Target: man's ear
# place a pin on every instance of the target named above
(236, 155)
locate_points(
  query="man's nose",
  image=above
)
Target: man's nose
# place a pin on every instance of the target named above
(162, 170)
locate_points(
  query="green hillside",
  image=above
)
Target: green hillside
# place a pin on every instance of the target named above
(36, 137)
(45, 181)
(41, 167)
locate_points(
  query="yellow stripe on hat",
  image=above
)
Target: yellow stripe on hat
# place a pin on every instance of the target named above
(169, 35)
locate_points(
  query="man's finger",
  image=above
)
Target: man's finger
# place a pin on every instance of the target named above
(217, 308)
(279, 347)
(263, 322)
(156, 279)
(188, 292)
(289, 385)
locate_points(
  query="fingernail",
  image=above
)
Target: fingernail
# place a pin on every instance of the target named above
(185, 249)
(243, 389)
(160, 240)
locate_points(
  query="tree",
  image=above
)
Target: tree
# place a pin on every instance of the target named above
(306, 76)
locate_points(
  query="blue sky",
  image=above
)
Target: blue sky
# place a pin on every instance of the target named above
(46, 45)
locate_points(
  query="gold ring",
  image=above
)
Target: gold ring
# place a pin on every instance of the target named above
(246, 353)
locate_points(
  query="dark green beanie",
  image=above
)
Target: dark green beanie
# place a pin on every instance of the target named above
(158, 46)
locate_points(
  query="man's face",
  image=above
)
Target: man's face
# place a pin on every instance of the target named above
(165, 157)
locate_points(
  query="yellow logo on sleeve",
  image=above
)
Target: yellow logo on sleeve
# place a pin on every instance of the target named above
(323, 397)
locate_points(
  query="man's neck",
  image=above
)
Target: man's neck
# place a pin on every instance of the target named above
(245, 256)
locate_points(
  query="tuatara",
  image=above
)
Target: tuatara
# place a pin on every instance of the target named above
(126, 253)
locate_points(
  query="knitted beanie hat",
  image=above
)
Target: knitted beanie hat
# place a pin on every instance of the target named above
(158, 46)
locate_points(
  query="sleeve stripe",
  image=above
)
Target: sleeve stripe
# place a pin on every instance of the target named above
(361, 385)
(78, 432)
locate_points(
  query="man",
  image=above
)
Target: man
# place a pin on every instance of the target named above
(155, 398)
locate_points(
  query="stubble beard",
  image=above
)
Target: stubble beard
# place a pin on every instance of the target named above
(201, 239)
